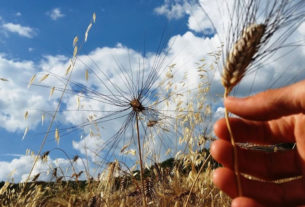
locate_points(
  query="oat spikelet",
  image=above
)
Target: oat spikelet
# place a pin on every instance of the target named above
(242, 55)
(78, 102)
(68, 69)
(32, 80)
(57, 136)
(4, 188)
(42, 118)
(25, 132)
(87, 31)
(75, 51)
(26, 115)
(44, 77)
(75, 158)
(52, 91)
(35, 177)
(124, 148)
(87, 75)
(131, 152)
(75, 40)
(94, 17)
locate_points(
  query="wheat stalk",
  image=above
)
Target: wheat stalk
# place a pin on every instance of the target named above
(238, 60)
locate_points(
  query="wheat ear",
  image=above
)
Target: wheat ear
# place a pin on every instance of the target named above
(234, 70)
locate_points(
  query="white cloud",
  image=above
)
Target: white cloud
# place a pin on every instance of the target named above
(173, 9)
(19, 29)
(55, 14)
(19, 168)
(15, 91)
(302, 29)
(177, 9)
(90, 146)
(184, 50)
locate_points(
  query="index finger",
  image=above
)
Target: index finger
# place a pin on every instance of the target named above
(258, 132)
(270, 104)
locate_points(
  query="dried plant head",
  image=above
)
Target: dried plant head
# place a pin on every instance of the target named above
(242, 55)
(253, 34)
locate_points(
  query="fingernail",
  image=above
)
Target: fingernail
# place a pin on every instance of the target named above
(234, 203)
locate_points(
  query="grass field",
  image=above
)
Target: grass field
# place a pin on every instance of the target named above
(158, 151)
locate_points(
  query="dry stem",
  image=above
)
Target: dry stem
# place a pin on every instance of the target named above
(235, 156)
(195, 181)
(141, 162)
(238, 60)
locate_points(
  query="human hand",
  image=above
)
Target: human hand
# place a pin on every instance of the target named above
(271, 117)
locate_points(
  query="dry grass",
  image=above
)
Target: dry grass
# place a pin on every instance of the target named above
(186, 181)
(168, 187)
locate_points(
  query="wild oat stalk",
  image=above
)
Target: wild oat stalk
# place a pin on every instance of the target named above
(69, 74)
(235, 68)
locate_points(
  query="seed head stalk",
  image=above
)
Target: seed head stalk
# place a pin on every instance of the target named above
(141, 162)
(235, 68)
(235, 156)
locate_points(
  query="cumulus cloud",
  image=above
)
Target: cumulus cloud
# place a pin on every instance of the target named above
(91, 145)
(23, 31)
(18, 169)
(173, 9)
(55, 14)
(109, 67)
(180, 8)
(15, 91)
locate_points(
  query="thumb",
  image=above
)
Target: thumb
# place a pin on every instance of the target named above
(270, 104)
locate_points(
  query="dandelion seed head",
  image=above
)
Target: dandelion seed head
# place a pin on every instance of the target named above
(137, 105)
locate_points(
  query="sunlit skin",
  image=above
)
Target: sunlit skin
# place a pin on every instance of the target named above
(270, 117)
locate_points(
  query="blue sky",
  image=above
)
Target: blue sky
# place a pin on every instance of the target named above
(34, 30)
(36, 38)
(53, 24)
